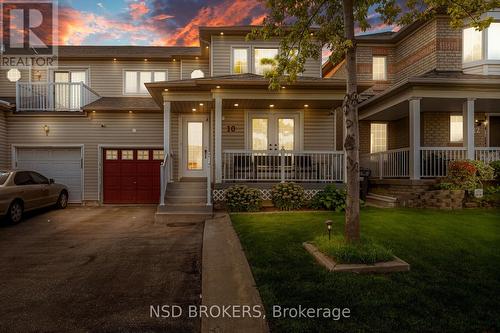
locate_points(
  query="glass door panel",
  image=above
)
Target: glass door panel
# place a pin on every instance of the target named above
(286, 133)
(260, 131)
(76, 93)
(61, 91)
(195, 146)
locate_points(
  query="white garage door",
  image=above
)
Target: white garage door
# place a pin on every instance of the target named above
(61, 164)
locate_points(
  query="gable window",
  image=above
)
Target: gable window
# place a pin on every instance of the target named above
(240, 60)
(197, 74)
(456, 128)
(135, 80)
(379, 68)
(261, 54)
(473, 45)
(378, 138)
(493, 41)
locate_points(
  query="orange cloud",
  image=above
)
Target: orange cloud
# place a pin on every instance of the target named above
(138, 10)
(162, 17)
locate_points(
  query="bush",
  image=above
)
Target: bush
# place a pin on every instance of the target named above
(288, 196)
(364, 252)
(461, 175)
(484, 171)
(330, 198)
(241, 198)
(496, 170)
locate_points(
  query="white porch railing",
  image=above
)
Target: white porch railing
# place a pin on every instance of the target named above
(488, 154)
(165, 177)
(209, 178)
(388, 164)
(434, 160)
(296, 166)
(52, 96)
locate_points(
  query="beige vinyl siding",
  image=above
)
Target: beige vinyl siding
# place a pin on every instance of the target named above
(236, 139)
(319, 130)
(188, 66)
(106, 76)
(4, 148)
(7, 88)
(89, 131)
(221, 57)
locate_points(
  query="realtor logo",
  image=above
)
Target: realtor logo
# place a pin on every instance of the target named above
(28, 33)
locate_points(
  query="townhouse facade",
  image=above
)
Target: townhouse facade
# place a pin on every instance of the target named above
(175, 126)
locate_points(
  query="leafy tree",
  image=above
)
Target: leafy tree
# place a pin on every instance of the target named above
(305, 25)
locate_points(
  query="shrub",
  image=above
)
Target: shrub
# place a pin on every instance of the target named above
(330, 198)
(288, 196)
(462, 175)
(496, 169)
(241, 198)
(364, 252)
(484, 171)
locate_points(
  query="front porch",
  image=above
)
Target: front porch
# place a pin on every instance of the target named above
(429, 122)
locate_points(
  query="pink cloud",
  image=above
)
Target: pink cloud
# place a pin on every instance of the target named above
(138, 10)
(162, 17)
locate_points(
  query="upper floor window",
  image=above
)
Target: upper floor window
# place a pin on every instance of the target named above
(378, 137)
(456, 128)
(473, 44)
(135, 80)
(379, 68)
(494, 41)
(264, 53)
(240, 60)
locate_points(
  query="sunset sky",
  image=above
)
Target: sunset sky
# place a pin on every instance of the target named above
(153, 22)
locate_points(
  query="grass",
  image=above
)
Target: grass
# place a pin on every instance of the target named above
(365, 252)
(453, 285)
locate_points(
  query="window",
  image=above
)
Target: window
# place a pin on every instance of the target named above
(261, 54)
(378, 138)
(240, 60)
(135, 80)
(111, 155)
(38, 178)
(158, 155)
(127, 155)
(23, 178)
(286, 133)
(195, 145)
(143, 155)
(494, 41)
(456, 128)
(259, 133)
(379, 68)
(473, 45)
(197, 74)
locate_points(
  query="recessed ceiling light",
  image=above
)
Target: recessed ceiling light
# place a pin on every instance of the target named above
(206, 47)
(312, 33)
(145, 59)
(306, 105)
(218, 87)
(236, 105)
(194, 110)
(197, 58)
(114, 59)
(131, 112)
(283, 87)
(93, 111)
(271, 106)
(174, 60)
(222, 34)
(166, 89)
(201, 104)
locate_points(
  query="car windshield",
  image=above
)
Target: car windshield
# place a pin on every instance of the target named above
(3, 176)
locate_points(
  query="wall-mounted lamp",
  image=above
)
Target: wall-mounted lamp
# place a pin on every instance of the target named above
(37, 75)
(46, 129)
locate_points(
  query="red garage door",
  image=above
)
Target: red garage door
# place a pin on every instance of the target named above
(132, 176)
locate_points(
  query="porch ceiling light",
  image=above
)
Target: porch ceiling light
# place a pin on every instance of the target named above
(201, 104)
(306, 105)
(14, 75)
(218, 87)
(114, 59)
(194, 110)
(283, 87)
(236, 105)
(197, 58)
(271, 105)
(145, 59)
(166, 89)
(222, 34)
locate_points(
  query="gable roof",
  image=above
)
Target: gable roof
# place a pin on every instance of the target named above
(123, 104)
(129, 52)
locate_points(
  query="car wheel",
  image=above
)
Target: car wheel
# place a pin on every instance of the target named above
(16, 211)
(62, 202)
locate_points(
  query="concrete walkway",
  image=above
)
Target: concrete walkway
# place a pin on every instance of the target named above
(227, 278)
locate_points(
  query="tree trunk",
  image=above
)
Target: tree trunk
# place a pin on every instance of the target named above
(351, 141)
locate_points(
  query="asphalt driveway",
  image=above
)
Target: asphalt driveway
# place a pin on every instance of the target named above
(97, 270)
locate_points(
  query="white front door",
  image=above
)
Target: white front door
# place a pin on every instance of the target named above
(195, 145)
(274, 131)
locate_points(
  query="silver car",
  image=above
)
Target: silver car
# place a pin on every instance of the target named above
(22, 191)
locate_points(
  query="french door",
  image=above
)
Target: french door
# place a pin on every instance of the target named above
(67, 92)
(195, 143)
(274, 131)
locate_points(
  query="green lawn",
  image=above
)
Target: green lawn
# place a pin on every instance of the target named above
(453, 285)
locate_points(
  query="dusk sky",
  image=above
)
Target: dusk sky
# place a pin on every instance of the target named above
(153, 22)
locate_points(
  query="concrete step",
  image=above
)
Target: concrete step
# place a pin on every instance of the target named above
(186, 192)
(381, 201)
(182, 199)
(186, 185)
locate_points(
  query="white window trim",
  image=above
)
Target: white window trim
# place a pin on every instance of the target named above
(385, 68)
(52, 71)
(484, 51)
(124, 71)
(250, 114)
(249, 57)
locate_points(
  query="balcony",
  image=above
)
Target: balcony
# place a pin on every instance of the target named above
(53, 96)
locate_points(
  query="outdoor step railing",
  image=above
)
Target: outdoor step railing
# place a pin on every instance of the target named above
(282, 165)
(393, 163)
(488, 154)
(53, 96)
(165, 176)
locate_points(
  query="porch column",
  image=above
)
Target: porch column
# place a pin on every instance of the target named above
(468, 123)
(414, 123)
(218, 140)
(167, 106)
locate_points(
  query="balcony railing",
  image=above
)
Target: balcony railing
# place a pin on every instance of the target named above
(52, 96)
(434, 161)
(272, 166)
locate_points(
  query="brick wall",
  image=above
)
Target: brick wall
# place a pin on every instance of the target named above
(398, 133)
(364, 137)
(436, 130)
